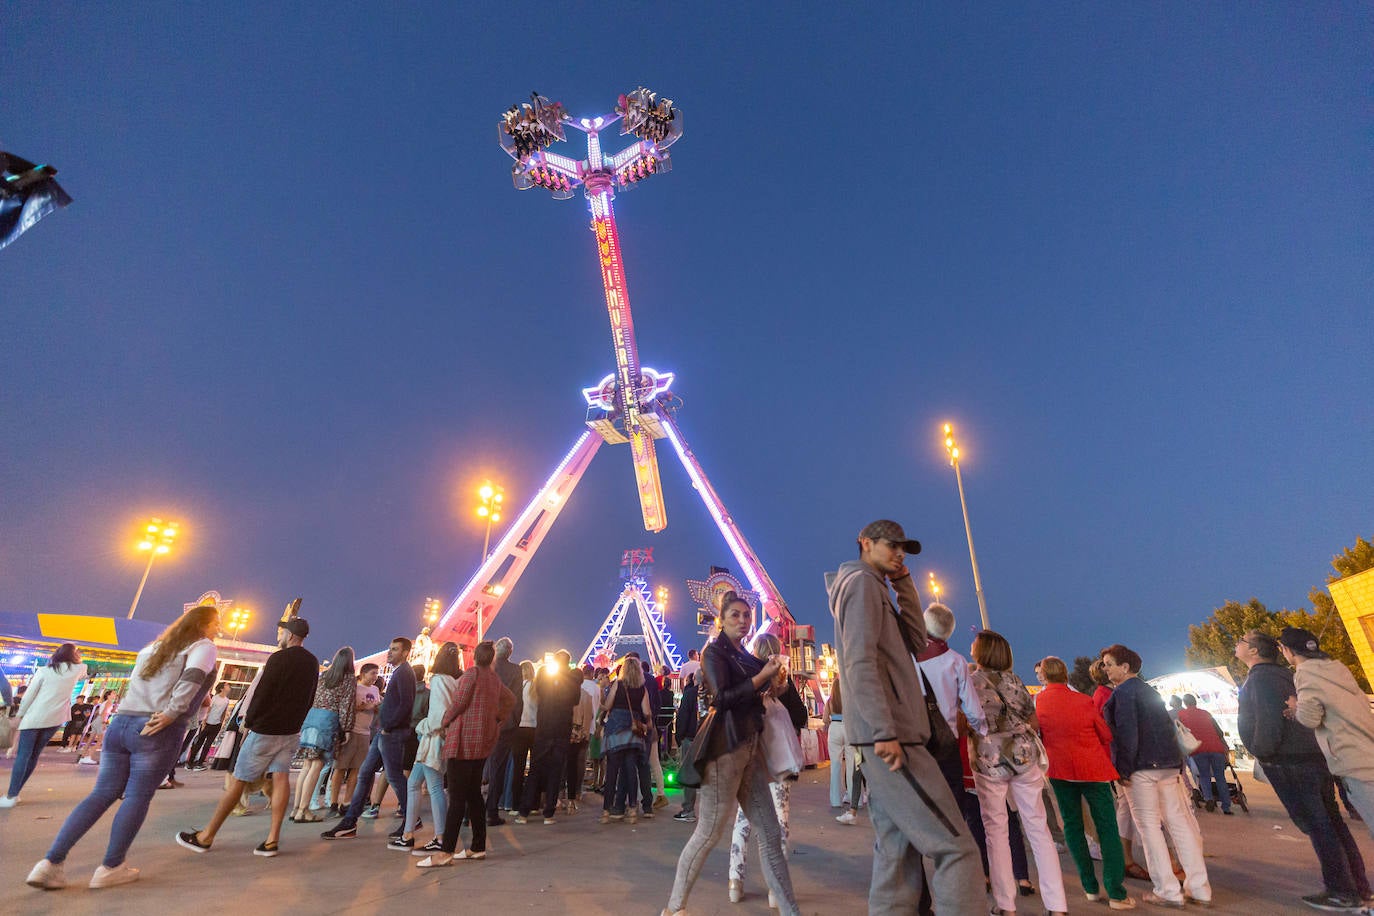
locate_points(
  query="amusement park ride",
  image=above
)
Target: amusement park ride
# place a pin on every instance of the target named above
(634, 403)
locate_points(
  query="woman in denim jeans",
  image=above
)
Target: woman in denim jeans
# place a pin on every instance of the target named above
(169, 679)
(46, 705)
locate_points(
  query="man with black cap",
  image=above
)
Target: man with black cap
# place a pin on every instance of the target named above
(1293, 763)
(283, 696)
(914, 815)
(1332, 704)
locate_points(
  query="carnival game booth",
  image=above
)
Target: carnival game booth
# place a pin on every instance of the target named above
(109, 646)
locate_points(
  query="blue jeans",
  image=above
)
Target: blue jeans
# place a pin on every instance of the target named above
(131, 765)
(622, 777)
(1212, 767)
(438, 802)
(1308, 792)
(388, 750)
(1361, 796)
(31, 744)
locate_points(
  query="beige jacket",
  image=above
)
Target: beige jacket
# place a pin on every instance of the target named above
(1330, 703)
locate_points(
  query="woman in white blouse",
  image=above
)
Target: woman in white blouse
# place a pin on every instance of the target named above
(169, 679)
(46, 705)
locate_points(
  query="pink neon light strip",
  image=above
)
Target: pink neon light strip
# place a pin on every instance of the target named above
(521, 525)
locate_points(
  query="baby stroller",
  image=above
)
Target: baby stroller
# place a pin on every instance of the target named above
(1233, 788)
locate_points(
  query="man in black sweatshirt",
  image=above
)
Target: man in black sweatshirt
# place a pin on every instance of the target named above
(1296, 768)
(388, 744)
(556, 694)
(282, 695)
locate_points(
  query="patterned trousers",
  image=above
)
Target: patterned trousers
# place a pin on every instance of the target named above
(739, 840)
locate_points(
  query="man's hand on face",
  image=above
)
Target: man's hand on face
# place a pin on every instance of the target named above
(901, 573)
(890, 752)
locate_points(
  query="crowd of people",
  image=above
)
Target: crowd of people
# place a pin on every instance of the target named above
(962, 769)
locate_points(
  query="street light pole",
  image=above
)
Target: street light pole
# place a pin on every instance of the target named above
(490, 509)
(157, 539)
(953, 451)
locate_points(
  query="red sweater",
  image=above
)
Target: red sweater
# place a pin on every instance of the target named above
(1075, 734)
(1204, 729)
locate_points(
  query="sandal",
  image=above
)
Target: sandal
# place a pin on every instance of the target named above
(308, 817)
(1135, 871)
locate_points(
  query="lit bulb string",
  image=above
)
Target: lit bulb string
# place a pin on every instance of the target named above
(503, 546)
(758, 579)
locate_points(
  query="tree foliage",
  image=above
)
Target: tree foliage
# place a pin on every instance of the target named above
(1079, 679)
(1213, 642)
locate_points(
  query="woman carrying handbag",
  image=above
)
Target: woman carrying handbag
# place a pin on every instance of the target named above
(731, 761)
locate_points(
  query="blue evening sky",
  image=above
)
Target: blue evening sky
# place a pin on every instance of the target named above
(297, 305)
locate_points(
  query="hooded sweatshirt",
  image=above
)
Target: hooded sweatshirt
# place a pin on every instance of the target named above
(1331, 703)
(883, 695)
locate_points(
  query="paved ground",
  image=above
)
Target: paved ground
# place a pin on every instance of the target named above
(1259, 863)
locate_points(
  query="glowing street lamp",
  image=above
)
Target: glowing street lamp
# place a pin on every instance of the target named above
(661, 598)
(238, 621)
(934, 589)
(489, 509)
(432, 608)
(158, 538)
(952, 448)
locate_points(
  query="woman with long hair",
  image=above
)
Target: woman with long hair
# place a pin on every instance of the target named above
(783, 692)
(42, 711)
(428, 769)
(327, 726)
(625, 707)
(168, 681)
(1007, 765)
(522, 742)
(731, 764)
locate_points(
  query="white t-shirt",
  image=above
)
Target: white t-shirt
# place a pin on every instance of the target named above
(529, 715)
(692, 667)
(171, 690)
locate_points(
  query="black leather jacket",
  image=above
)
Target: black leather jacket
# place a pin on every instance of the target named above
(739, 708)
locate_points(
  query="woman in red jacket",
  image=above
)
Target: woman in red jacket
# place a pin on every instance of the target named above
(1077, 740)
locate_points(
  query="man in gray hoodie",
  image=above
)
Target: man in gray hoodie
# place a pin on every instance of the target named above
(914, 815)
(1332, 704)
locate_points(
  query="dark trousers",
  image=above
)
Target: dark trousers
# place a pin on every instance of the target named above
(498, 764)
(1211, 770)
(465, 800)
(1308, 793)
(521, 749)
(576, 769)
(646, 782)
(546, 773)
(201, 746)
(385, 751)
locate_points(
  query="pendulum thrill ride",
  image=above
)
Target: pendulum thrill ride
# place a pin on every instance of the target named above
(632, 404)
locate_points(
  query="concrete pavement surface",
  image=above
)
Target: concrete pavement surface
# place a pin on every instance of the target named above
(1259, 863)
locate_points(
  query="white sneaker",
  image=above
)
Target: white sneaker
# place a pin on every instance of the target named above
(7, 802)
(88, 760)
(46, 876)
(847, 818)
(113, 877)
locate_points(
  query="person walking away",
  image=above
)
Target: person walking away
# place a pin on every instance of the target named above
(388, 745)
(1078, 744)
(214, 721)
(352, 753)
(1006, 765)
(914, 815)
(732, 766)
(43, 709)
(1296, 769)
(499, 761)
(283, 697)
(1210, 757)
(556, 695)
(429, 766)
(1149, 763)
(1330, 702)
(626, 704)
(784, 693)
(840, 755)
(481, 706)
(166, 684)
(327, 726)
(685, 728)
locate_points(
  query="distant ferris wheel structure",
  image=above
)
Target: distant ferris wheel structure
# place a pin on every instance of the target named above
(633, 403)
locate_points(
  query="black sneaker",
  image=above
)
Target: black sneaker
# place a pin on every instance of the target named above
(434, 845)
(1332, 902)
(340, 832)
(686, 817)
(401, 843)
(190, 839)
(266, 849)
